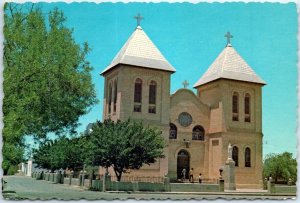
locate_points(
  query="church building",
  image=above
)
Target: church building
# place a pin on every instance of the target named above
(227, 109)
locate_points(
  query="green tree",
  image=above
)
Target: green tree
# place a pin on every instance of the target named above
(13, 156)
(47, 81)
(280, 166)
(60, 153)
(124, 145)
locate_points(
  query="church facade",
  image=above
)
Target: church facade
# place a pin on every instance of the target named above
(227, 109)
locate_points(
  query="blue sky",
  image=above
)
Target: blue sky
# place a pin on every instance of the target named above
(191, 36)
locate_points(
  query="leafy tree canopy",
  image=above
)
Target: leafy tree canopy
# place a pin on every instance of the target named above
(13, 156)
(280, 166)
(124, 145)
(60, 153)
(47, 82)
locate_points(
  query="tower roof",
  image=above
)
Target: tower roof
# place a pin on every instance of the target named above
(229, 65)
(139, 50)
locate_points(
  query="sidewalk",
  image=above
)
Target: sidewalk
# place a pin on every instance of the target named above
(236, 193)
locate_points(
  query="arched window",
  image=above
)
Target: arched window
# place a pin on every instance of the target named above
(247, 108)
(173, 131)
(235, 106)
(247, 157)
(109, 98)
(152, 97)
(115, 95)
(235, 155)
(198, 133)
(138, 95)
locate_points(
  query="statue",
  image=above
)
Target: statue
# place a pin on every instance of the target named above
(229, 151)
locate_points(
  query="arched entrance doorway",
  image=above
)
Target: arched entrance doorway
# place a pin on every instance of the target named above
(183, 161)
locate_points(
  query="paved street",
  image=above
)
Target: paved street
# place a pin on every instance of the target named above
(29, 188)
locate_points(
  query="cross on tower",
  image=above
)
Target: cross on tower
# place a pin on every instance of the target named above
(138, 19)
(228, 36)
(185, 84)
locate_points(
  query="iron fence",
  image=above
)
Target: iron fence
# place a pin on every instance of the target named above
(139, 179)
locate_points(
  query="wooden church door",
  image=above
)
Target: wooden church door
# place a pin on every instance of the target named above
(183, 162)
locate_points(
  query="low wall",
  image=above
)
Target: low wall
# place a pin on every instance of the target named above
(55, 178)
(194, 187)
(285, 189)
(165, 186)
(75, 181)
(156, 187)
(121, 186)
(66, 181)
(281, 189)
(153, 187)
(86, 183)
(130, 186)
(97, 185)
(51, 178)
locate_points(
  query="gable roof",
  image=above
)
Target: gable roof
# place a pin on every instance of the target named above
(139, 50)
(229, 65)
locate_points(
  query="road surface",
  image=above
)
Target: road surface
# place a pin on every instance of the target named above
(20, 187)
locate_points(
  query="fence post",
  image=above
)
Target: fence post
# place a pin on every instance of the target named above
(135, 186)
(103, 183)
(38, 177)
(83, 177)
(265, 184)
(57, 177)
(289, 182)
(80, 178)
(71, 176)
(63, 177)
(91, 179)
(271, 185)
(167, 183)
(106, 182)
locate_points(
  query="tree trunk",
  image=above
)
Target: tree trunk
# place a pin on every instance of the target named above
(118, 174)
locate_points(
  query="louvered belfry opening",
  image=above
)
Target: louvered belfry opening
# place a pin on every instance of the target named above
(138, 95)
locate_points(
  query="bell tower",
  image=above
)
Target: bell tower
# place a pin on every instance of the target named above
(137, 86)
(137, 81)
(234, 93)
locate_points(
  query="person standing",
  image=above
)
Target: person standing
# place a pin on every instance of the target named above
(183, 174)
(200, 178)
(191, 174)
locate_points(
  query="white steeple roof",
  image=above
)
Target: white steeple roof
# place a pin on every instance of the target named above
(229, 65)
(139, 50)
